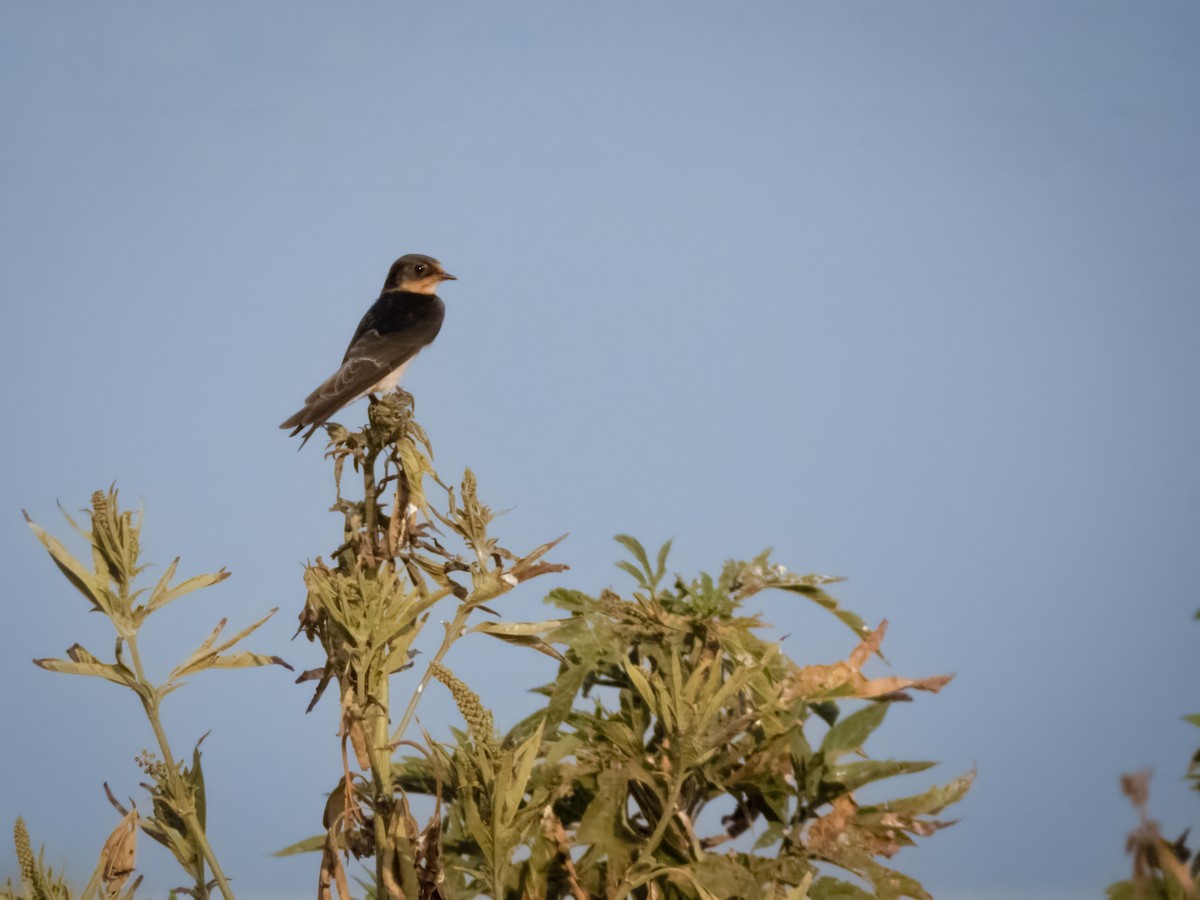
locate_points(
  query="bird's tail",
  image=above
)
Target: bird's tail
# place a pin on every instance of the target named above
(299, 420)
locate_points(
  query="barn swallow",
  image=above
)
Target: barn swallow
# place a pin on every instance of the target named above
(406, 318)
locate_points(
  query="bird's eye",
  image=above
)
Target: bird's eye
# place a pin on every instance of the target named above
(420, 269)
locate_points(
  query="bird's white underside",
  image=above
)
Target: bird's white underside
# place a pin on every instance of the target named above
(389, 381)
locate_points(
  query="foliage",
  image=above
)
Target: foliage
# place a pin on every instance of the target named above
(584, 798)
(1160, 867)
(367, 607)
(177, 790)
(678, 753)
(41, 882)
(667, 707)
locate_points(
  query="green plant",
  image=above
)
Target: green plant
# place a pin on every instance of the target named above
(177, 790)
(367, 607)
(584, 798)
(677, 754)
(667, 711)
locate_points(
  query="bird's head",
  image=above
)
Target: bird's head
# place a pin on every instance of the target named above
(417, 273)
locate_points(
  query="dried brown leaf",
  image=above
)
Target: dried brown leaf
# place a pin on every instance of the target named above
(332, 873)
(1136, 786)
(561, 840)
(881, 687)
(352, 728)
(818, 681)
(528, 566)
(868, 646)
(845, 679)
(1151, 852)
(119, 854)
(824, 838)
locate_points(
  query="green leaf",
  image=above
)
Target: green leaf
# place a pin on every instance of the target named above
(852, 776)
(890, 884)
(82, 662)
(932, 801)
(800, 891)
(833, 889)
(525, 634)
(646, 578)
(206, 656)
(474, 821)
(641, 684)
(717, 877)
(603, 822)
(163, 594)
(1194, 718)
(562, 696)
(87, 583)
(852, 732)
(163, 584)
(244, 659)
(632, 570)
(660, 567)
(521, 629)
(195, 777)
(635, 548)
(822, 599)
(523, 759)
(314, 844)
(101, 670)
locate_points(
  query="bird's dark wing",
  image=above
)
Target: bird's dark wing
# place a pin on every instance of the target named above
(390, 334)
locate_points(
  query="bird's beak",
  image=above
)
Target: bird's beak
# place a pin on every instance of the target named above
(446, 276)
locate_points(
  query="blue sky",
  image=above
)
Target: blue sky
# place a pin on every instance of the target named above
(908, 292)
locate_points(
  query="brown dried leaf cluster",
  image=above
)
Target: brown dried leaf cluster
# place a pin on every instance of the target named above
(1160, 867)
(845, 679)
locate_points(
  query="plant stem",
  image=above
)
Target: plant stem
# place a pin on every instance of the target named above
(664, 821)
(452, 632)
(394, 853)
(660, 830)
(381, 777)
(370, 499)
(195, 830)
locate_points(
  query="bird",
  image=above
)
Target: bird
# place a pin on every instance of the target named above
(404, 320)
